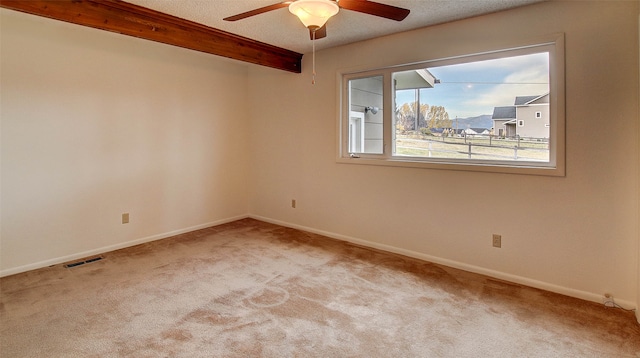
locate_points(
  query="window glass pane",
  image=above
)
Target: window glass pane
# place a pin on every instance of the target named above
(365, 127)
(479, 110)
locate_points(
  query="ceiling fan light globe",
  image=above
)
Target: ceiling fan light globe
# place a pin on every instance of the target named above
(314, 13)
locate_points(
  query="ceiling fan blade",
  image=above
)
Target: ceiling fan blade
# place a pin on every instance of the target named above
(374, 8)
(258, 11)
(320, 33)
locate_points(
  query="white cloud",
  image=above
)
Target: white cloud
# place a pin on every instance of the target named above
(475, 88)
(518, 76)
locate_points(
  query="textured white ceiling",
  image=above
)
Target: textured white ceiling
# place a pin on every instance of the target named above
(282, 29)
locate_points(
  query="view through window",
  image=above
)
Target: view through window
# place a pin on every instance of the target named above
(495, 109)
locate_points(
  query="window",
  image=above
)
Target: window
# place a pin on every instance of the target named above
(464, 113)
(365, 120)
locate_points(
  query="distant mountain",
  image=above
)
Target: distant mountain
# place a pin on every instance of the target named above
(483, 121)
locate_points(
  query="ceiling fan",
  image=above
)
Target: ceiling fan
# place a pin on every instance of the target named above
(315, 13)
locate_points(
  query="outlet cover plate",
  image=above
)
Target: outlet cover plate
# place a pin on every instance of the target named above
(497, 240)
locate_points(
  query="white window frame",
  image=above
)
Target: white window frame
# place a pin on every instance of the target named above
(553, 44)
(538, 115)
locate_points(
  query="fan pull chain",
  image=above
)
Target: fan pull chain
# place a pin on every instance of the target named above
(313, 80)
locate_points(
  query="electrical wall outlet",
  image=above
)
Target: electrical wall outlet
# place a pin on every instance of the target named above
(125, 218)
(497, 240)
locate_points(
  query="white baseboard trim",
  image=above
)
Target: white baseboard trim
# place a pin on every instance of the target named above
(122, 245)
(588, 296)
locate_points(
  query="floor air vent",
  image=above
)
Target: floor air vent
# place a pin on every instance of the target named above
(87, 261)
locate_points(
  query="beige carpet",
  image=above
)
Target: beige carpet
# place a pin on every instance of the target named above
(252, 289)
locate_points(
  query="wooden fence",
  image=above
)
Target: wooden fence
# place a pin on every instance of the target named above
(475, 147)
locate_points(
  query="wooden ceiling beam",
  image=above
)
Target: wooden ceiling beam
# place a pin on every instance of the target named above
(137, 21)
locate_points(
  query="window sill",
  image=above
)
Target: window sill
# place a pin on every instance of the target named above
(526, 168)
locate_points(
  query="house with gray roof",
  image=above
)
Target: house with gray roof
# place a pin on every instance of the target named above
(476, 131)
(527, 117)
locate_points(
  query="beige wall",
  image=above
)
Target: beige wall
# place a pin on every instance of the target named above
(96, 124)
(576, 234)
(638, 173)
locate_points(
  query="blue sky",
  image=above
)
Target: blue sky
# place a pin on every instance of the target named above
(473, 89)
